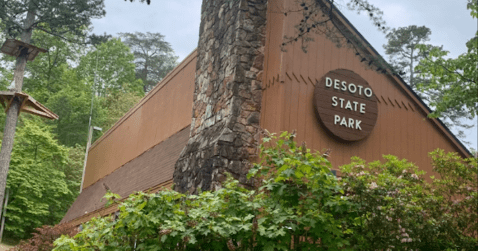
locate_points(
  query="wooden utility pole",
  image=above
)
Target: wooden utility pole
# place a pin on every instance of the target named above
(14, 109)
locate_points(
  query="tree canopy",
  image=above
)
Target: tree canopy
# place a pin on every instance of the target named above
(110, 66)
(47, 158)
(403, 51)
(406, 48)
(40, 190)
(57, 17)
(19, 20)
(154, 57)
(455, 78)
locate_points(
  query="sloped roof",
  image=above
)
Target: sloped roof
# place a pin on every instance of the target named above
(153, 167)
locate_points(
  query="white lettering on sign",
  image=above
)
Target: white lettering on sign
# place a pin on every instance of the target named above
(362, 108)
(368, 92)
(344, 86)
(350, 122)
(328, 82)
(360, 89)
(336, 84)
(351, 87)
(348, 104)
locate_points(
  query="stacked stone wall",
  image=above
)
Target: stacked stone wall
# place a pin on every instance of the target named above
(227, 96)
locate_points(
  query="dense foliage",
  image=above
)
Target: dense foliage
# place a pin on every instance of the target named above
(295, 202)
(56, 17)
(403, 51)
(111, 67)
(399, 209)
(154, 57)
(43, 179)
(70, 76)
(47, 158)
(455, 78)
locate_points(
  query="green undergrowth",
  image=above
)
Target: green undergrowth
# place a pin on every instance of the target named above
(296, 203)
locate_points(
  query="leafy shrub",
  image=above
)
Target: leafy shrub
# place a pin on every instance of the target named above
(42, 180)
(44, 237)
(456, 193)
(296, 203)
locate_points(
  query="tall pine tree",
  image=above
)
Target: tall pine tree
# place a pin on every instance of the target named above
(407, 49)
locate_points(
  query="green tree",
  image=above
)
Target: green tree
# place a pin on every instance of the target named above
(115, 106)
(39, 192)
(111, 64)
(403, 48)
(60, 81)
(455, 78)
(20, 18)
(403, 51)
(45, 75)
(5, 75)
(154, 57)
(96, 40)
(57, 17)
(72, 104)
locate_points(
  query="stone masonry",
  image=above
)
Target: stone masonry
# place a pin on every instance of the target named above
(227, 98)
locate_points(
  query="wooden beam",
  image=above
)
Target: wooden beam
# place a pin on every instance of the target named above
(31, 110)
(29, 104)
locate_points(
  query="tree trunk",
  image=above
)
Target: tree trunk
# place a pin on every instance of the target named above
(13, 112)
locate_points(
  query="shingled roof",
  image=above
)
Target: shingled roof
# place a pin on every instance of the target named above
(153, 167)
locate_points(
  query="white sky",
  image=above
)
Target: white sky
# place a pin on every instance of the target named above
(449, 21)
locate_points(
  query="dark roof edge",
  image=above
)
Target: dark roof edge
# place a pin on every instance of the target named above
(400, 78)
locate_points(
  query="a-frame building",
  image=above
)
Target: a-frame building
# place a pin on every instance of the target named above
(205, 117)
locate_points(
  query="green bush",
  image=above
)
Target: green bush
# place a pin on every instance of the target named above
(42, 180)
(296, 203)
(399, 210)
(295, 198)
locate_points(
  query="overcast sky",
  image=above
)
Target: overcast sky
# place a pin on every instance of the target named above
(449, 21)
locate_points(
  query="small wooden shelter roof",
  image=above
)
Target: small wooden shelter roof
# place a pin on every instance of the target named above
(15, 47)
(29, 104)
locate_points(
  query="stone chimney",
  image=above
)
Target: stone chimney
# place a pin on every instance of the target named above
(227, 97)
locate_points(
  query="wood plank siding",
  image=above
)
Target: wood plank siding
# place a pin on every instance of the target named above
(402, 128)
(163, 112)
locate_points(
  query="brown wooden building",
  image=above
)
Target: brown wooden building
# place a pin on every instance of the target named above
(204, 117)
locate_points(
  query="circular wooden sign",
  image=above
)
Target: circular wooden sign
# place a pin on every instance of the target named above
(346, 105)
